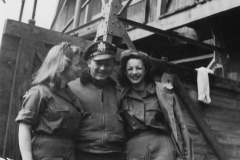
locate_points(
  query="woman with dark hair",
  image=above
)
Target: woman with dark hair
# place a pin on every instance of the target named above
(50, 111)
(154, 124)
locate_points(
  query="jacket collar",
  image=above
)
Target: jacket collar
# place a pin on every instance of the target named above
(150, 89)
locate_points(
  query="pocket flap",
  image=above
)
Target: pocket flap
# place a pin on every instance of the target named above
(57, 107)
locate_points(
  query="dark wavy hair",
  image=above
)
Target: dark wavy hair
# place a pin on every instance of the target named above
(130, 54)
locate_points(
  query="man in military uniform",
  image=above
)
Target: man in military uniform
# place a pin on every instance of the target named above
(101, 134)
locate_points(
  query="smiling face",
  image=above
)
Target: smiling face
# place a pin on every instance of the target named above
(135, 71)
(101, 69)
(73, 71)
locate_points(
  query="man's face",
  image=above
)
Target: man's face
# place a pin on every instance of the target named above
(101, 69)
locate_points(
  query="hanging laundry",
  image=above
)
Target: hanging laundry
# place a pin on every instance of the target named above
(203, 84)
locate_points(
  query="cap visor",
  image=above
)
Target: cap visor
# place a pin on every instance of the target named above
(103, 57)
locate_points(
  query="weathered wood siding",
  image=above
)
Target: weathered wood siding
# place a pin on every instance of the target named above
(223, 117)
(152, 14)
(94, 8)
(66, 15)
(175, 5)
(8, 56)
(136, 12)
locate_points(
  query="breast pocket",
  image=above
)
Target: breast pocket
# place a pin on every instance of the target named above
(57, 111)
(57, 106)
(127, 105)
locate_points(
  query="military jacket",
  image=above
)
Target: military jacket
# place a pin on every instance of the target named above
(102, 129)
(140, 117)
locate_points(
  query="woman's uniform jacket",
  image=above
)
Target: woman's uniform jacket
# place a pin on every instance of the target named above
(173, 120)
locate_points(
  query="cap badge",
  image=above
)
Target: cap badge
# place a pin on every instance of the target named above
(101, 46)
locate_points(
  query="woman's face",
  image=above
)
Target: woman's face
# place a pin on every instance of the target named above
(73, 71)
(135, 71)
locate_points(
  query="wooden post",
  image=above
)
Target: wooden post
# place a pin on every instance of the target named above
(77, 14)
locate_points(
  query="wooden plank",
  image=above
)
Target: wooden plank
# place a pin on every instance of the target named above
(171, 35)
(77, 13)
(232, 151)
(58, 13)
(5, 85)
(4, 103)
(225, 101)
(137, 11)
(223, 137)
(132, 3)
(3, 122)
(187, 16)
(7, 59)
(153, 10)
(196, 116)
(193, 59)
(67, 25)
(214, 90)
(176, 6)
(208, 157)
(61, 4)
(94, 8)
(217, 101)
(217, 125)
(23, 30)
(91, 26)
(22, 76)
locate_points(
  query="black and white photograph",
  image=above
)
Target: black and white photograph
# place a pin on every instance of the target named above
(119, 80)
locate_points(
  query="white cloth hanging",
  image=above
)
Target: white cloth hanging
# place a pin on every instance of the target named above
(203, 84)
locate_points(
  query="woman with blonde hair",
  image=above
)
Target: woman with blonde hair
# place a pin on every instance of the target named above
(50, 111)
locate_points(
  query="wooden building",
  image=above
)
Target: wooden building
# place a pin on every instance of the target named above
(185, 34)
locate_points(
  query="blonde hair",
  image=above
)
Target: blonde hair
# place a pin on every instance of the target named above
(58, 60)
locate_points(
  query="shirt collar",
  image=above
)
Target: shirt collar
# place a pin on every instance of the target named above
(63, 93)
(150, 89)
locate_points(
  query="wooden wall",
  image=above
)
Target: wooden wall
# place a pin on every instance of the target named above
(8, 56)
(66, 15)
(223, 117)
(175, 5)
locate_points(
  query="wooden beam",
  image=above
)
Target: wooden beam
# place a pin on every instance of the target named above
(85, 4)
(77, 13)
(186, 16)
(159, 4)
(124, 8)
(103, 2)
(15, 28)
(170, 34)
(58, 14)
(146, 12)
(132, 2)
(86, 14)
(122, 31)
(193, 59)
(68, 24)
(21, 76)
(198, 119)
(88, 27)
